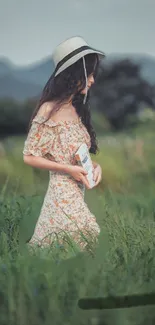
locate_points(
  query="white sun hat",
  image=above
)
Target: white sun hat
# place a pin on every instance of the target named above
(69, 52)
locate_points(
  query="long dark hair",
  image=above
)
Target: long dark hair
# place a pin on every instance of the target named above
(71, 82)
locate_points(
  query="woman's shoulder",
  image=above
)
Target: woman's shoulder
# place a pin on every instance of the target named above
(51, 117)
(43, 115)
(45, 109)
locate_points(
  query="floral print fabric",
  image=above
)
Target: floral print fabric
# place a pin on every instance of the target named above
(64, 211)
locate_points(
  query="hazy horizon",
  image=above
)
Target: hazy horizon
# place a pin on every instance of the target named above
(29, 31)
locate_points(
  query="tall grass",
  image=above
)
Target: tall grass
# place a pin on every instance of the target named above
(36, 288)
(44, 287)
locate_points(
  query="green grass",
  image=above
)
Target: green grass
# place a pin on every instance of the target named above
(49, 283)
(44, 287)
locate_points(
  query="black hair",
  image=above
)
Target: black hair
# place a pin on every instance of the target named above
(71, 82)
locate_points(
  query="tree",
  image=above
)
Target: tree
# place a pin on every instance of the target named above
(15, 116)
(120, 91)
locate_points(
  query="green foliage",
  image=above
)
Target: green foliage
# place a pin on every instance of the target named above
(48, 284)
(44, 286)
(117, 96)
(14, 116)
(120, 91)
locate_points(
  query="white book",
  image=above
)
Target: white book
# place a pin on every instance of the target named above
(83, 159)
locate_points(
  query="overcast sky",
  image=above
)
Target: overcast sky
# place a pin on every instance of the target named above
(30, 29)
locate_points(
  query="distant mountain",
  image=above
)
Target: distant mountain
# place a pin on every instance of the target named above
(10, 87)
(25, 82)
(22, 83)
(37, 73)
(5, 66)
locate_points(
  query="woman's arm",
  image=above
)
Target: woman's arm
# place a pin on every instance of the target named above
(95, 164)
(42, 163)
(97, 172)
(77, 172)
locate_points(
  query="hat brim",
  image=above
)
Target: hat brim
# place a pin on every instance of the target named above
(77, 57)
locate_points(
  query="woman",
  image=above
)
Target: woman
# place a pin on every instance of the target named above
(59, 125)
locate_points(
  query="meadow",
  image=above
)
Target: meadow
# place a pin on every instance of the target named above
(44, 287)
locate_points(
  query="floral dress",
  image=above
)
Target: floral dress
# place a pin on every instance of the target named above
(64, 213)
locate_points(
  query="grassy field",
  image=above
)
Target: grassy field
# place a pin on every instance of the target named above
(44, 288)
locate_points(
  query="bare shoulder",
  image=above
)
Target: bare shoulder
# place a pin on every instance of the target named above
(45, 109)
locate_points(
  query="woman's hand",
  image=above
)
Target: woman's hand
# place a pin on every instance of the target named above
(79, 174)
(97, 174)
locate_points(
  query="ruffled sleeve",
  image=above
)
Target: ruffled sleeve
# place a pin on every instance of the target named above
(40, 138)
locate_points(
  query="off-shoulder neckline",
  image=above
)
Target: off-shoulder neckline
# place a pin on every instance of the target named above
(50, 122)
